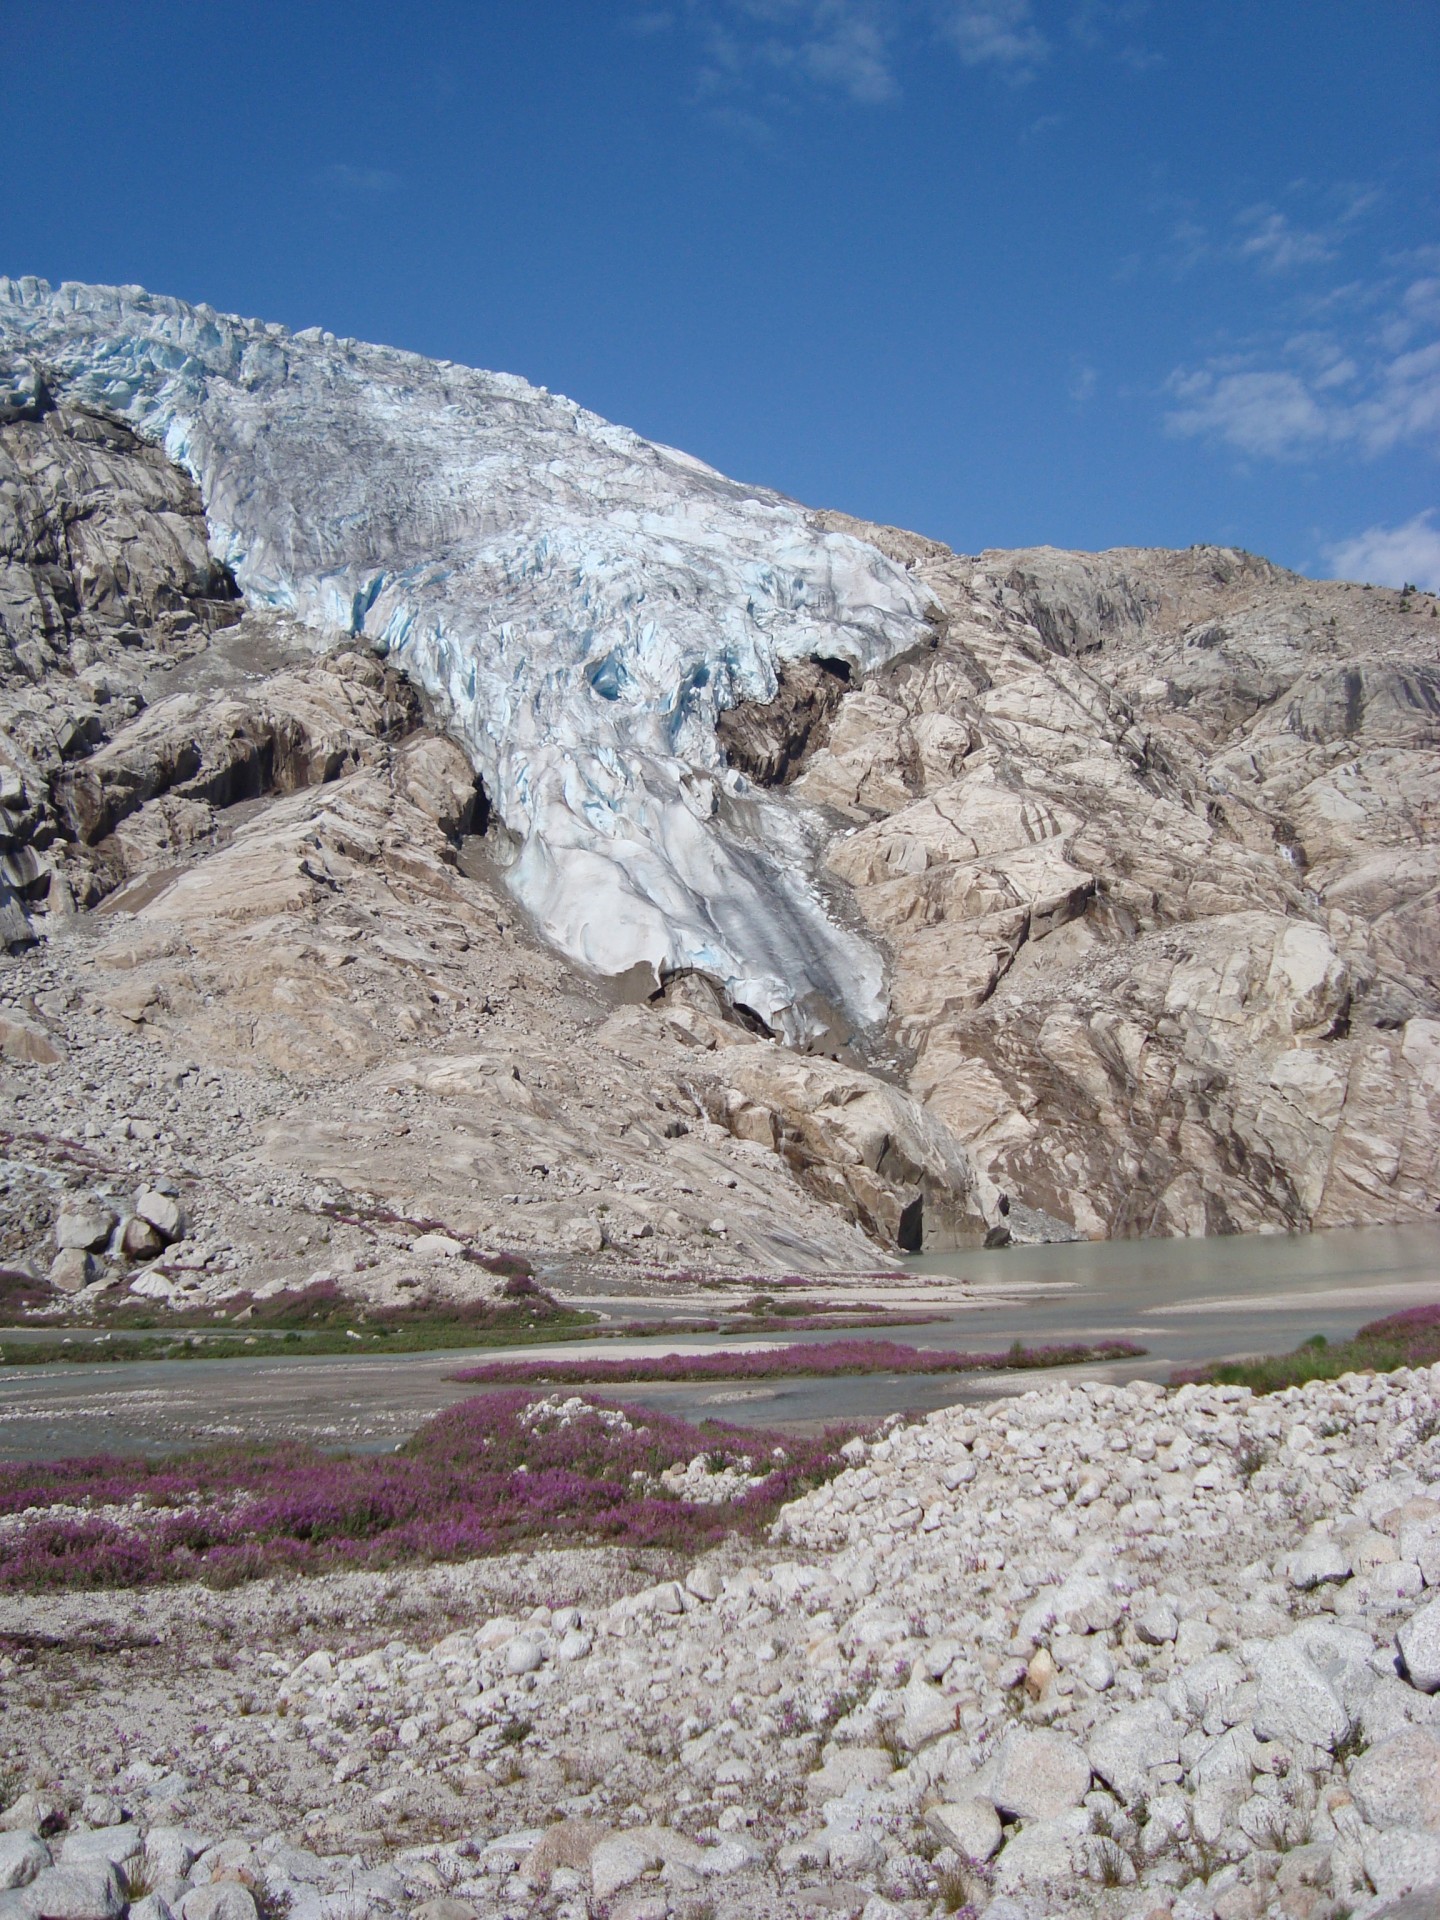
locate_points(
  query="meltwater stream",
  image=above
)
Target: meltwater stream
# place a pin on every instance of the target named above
(1182, 1300)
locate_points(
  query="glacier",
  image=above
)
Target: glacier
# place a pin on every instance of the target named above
(578, 603)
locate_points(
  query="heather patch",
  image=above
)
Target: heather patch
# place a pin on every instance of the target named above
(823, 1358)
(1408, 1339)
(486, 1476)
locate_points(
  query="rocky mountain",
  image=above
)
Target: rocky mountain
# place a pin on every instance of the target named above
(434, 815)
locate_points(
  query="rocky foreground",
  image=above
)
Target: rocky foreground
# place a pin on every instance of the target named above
(1096, 1650)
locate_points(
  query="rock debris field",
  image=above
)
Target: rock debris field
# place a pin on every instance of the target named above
(1094, 1650)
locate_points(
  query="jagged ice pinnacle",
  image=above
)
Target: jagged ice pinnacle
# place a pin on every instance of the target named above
(579, 603)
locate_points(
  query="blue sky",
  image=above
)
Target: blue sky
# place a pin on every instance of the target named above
(1092, 272)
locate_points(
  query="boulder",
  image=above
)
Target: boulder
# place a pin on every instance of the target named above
(163, 1212)
(1419, 1642)
(32, 1813)
(72, 1269)
(1295, 1701)
(92, 1890)
(220, 1900)
(970, 1826)
(84, 1224)
(618, 1862)
(140, 1239)
(1397, 1783)
(1316, 1563)
(436, 1246)
(1402, 1861)
(1127, 1745)
(1193, 1689)
(852, 1850)
(101, 1810)
(172, 1851)
(22, 1856)
(1097, 1669)
(1342, 1655)
(569, 1843)
(847, 1768)
(25, 1042)
(118, 1844)
(1420, 1543)
(703, 1582)
(1036, 1775)
(1044, 1853)
(153, 1906)
(1158, 1623)
(928, 1713)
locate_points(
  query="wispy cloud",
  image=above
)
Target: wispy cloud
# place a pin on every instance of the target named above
(855, 50)
(1316, 390)
(1275, 245)
(848, 49)
(350, 179)
(1265, 236)
(1407, 555)
(1098, 24)
(1083, 382)
(1351, 366)
(839, 47)
(996, 33)
(1261, 412)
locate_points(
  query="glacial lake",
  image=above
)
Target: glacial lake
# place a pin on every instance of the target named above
(1182, 1300)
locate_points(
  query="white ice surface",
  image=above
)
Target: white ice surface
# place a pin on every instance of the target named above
(579, 603)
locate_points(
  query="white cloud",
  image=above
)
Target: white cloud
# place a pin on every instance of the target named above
(1270, 413)
(1320, 391)
(848, 52)
(1391, 556)
(852, 48)
(998, 33)
(837, 46)
(1278, 247)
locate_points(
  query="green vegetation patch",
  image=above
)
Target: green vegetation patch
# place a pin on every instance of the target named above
(1410, 1339)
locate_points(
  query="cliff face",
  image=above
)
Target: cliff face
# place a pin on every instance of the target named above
(1152, 840)
(1128, 860)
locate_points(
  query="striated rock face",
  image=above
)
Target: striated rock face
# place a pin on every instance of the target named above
(1149, 838)
(865, 1146)
(103, 553)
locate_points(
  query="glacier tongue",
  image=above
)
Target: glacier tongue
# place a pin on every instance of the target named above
(580, 604)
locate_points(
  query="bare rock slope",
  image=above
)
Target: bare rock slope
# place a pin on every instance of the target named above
(1152, 840)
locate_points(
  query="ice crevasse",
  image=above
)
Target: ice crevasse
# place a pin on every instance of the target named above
(579, 603)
